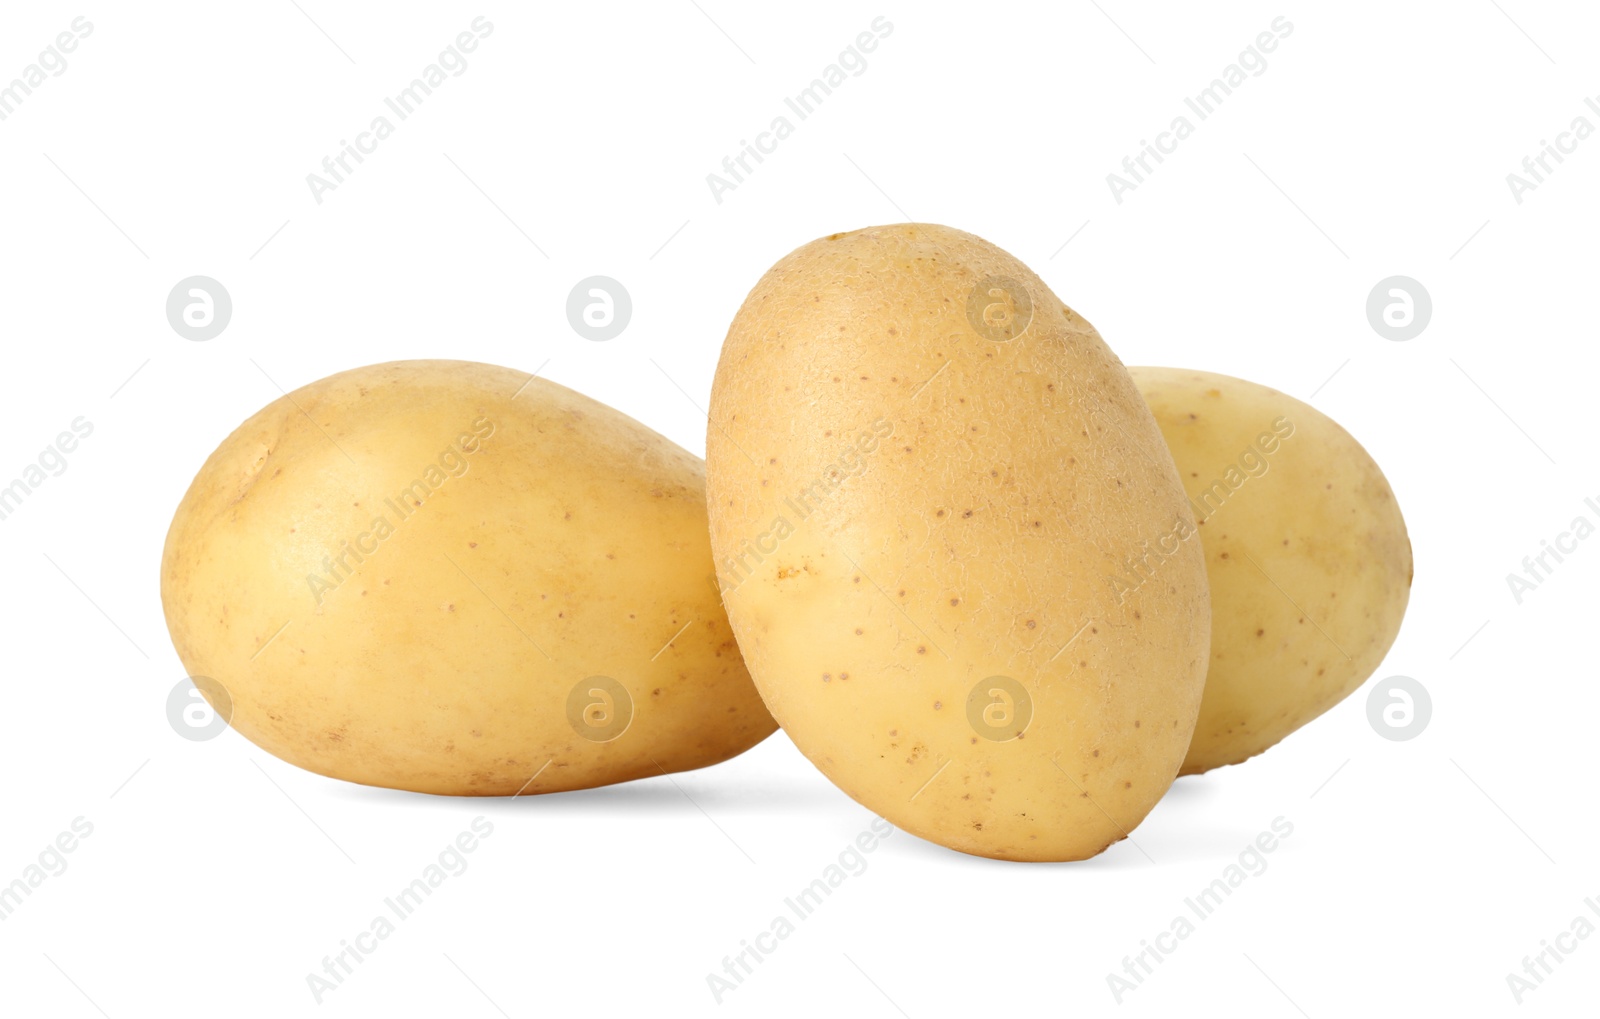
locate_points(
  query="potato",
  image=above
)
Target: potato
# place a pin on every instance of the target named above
(454, 578)
(922, 470)
(1305, 547)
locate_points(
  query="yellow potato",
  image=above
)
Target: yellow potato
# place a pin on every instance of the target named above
(922, 468)
(454, 578)
(1305, 547)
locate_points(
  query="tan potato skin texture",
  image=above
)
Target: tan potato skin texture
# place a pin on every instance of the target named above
(1321, 523)
(1018, 477)
(583, 534)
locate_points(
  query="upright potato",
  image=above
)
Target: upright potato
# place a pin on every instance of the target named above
(454, 578)
(1307, 553)
(925, 473)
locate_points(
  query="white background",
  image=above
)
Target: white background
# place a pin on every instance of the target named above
(1377, 142)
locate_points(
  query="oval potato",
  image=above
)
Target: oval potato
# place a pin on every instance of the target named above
(450, 577)
(1307, 553)
(925, 476)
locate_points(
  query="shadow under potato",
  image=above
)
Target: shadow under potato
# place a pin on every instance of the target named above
(1190, 789)
(1122, 855)
(668, 796)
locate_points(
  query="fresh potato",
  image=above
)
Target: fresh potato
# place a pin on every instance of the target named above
(1307, 553)
(922, 469)
(454, 578)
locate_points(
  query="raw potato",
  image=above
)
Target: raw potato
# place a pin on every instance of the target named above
(1307, 553)
(917, 498)
(503, 541)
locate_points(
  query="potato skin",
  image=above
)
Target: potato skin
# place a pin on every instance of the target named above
(1309, 562)
(571, 544)
(903, 507)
